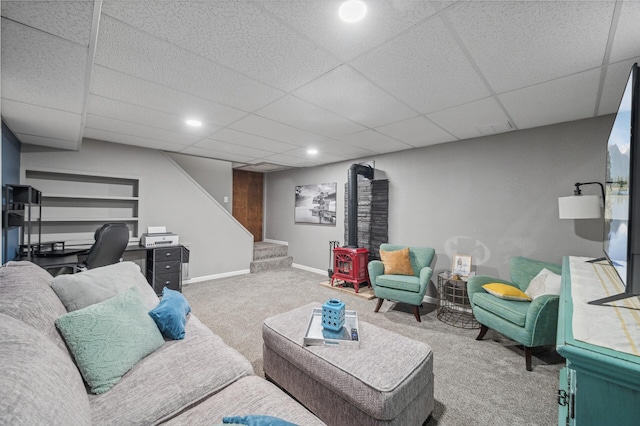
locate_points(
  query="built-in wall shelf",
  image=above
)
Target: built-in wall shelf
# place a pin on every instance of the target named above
(74, 205)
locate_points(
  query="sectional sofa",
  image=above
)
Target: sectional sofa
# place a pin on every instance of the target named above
(198, 380)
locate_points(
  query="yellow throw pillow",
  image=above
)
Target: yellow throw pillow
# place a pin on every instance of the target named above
(506, 291)
(396, 262)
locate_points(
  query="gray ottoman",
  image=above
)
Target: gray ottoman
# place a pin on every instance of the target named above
(387, 381)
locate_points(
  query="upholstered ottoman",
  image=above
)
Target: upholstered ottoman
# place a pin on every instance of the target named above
(388, 380)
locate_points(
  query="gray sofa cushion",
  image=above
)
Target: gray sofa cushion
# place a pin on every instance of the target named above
(248, 396)
(26, 295)
(174, 377)
(77, 291)
(40, 384)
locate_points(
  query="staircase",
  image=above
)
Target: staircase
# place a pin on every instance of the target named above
(268, 256)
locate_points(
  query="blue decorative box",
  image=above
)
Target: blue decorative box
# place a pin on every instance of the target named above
(333, 314)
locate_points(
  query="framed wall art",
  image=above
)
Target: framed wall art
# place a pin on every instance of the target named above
(316, 204)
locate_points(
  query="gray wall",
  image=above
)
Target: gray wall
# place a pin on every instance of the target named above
(168, 196)
(491, 198)
(215, 176)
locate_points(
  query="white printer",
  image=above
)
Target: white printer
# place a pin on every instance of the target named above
(157, 236)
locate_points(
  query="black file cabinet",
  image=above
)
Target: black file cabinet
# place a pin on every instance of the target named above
(164, 268)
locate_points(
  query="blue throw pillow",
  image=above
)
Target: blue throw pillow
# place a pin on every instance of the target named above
(256, 420)
(171, 314)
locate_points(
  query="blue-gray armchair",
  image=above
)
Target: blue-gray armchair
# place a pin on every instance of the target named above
(403, 288)
(530, 323)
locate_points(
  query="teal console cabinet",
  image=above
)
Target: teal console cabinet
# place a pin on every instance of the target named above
(599, 385)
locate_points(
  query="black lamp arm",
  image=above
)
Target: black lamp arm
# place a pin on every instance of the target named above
(579, 192)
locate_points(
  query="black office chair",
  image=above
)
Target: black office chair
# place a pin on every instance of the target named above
(111, 241)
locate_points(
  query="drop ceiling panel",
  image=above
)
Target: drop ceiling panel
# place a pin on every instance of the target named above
(320, 157)
(346, 92)
(516, 44)
(614, 84)
(253, 141)
(272, 129)
(111, 136)
(41, 69)
(71, 20)
(374, 141)
(463, 121)
(288, 160)
(626, 44)
(111, 108)
(140, 130)
(216, 145)
(298, 113)
(219, 155)
(319, 21)
(342, 149)
(125, 49)
(35, 120)
(565, 99)
(416, 132)
(240, 25)
(125, 88)
(429, 57)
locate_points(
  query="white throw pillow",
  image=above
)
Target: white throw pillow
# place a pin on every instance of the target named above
(546, 282)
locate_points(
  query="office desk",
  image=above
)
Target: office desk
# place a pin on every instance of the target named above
(163, 265)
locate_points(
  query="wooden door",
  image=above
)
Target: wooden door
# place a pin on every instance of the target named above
(247, 201)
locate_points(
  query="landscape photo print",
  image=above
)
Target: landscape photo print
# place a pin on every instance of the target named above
(316, 204)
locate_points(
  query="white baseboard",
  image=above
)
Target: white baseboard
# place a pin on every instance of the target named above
(283, 243)
(215, 276)
(310, 269)
(429, 299)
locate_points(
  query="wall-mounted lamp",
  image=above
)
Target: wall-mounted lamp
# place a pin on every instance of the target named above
(580, 206)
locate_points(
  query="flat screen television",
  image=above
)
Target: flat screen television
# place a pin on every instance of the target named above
(622, 192)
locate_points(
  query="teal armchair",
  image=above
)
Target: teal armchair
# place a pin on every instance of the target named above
(403, 288)
(532, 323)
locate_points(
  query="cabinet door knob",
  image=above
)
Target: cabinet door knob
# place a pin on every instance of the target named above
(167, 282)
(167, 267)
(168, 254)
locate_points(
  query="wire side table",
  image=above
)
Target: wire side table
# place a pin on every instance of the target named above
(454, 307)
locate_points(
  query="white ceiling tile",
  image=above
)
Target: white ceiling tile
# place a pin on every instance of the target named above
(429, 58)
(140, 130)
(48, 142)
(216, 145)
(118, 110)
(111, 136)
(253, 141)
(319, 21)
(271, 129)
(298, 113)
(375, 142)
(131, 90)
(342, 149)
(123, 48)
(35, 120)
(625, 43)
(416, 132)
(71, 20)
(346, 92)
(517, 44)
(240, 25)
(218, 155)
(288, 160)
(557, 101)
(41, 69)
(463, 121)
(614, 84)
(320, 157)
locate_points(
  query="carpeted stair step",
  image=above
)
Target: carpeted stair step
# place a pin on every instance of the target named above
(270, 263)
(262, 250)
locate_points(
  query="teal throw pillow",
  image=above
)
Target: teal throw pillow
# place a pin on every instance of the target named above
(256, 420)
(171, 314)
(108, 338)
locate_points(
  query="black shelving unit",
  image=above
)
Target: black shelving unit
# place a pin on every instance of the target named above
(19, 211)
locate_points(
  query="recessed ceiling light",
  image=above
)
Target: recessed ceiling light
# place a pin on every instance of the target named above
(352, 11)
(194, 123)
(312, 151)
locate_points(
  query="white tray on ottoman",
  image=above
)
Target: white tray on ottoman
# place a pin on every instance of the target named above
(388, 380)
